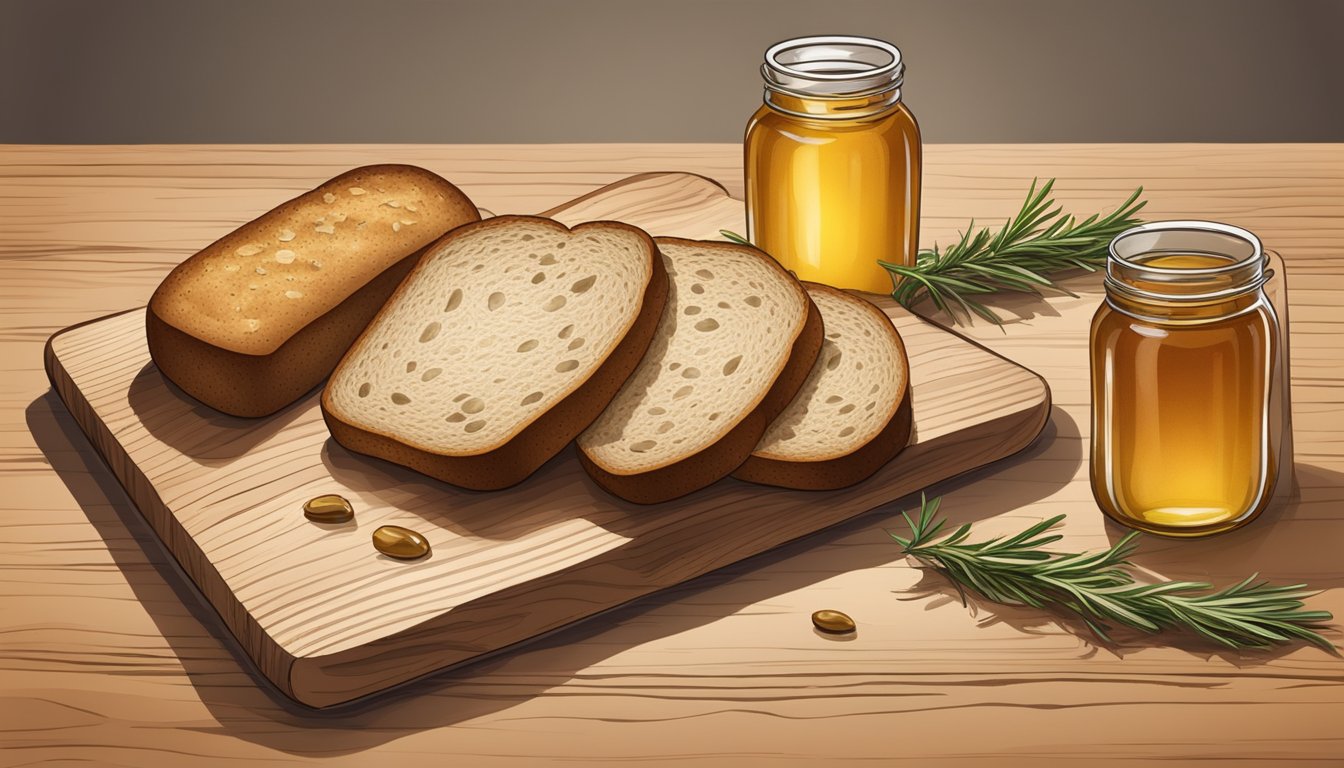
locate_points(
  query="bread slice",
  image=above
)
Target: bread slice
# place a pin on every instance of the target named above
(734, 344)
(503, 344)
(261, 316)
(853, 413)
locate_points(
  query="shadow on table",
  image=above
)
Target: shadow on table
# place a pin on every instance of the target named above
(246, 705)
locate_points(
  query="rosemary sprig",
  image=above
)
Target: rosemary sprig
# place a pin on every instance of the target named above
(1098, 588)
(1039, 241)
(1036, 243)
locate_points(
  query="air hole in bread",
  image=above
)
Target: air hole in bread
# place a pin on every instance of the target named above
(455, 418)
(673, 366)
(454, 300)
(665, 426)
(692, 310)
(579, 342)
(691, 373)
(657, 410)
(707, 325)
(834, 362)
(548, 260)
(430, 332)
(565, 366)
(725, 305)
(474, 405)
(834, 399)
(526, 236)
(410, 366)
(461, 396)
(753, 301)
(532, 398)
(566, 331)
(364, 389)
(704, 273)
(474, 426)
(683, 392)
(847, 408)
(431, 374)
(697, 288)
(730, 367)
(400, 399)
(528, 346)
(580, 286)
(539, 278)
(554, 303)
(495, 301)
(847, 431)
(715, 415)
(643, 446)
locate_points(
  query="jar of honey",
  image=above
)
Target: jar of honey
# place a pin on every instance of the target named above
(833, 162)
(1185, 355)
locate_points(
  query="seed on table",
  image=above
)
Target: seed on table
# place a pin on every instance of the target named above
(832, 621)
(401, 543)
(328, 509)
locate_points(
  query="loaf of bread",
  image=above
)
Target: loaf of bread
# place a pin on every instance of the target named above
(503, 344)
(735, 343)
(262, 315)
(853, 413)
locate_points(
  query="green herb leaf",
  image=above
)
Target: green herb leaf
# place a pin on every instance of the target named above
(1036, 243)
(1099, 589)
(1033, 245)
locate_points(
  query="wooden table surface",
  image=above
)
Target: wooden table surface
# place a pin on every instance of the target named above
(108, 658)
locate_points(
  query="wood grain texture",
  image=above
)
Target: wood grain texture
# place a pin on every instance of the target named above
(328, 620)
(106, 660)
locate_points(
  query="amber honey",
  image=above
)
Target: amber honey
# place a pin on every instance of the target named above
(833, 162)
(1184, 350)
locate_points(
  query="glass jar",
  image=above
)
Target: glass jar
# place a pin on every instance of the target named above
(1185, 350)
(833, 162)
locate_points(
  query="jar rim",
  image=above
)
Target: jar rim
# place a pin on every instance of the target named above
(772, 57)
(1256, 254)
(832, 69)
(1173, 284)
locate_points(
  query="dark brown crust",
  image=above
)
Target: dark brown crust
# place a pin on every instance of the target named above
(720, 459)
(242, 384)
(855, 467)
(535, 444)
(260, 385)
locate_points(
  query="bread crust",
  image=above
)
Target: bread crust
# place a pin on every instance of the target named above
(698, 470)
(259, 385)
(856, 466)
(535, 444)
(253, 384)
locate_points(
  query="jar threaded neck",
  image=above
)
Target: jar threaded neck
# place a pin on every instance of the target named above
(832, 77)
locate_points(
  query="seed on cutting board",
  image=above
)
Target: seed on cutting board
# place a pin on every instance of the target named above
(328, 509)
(832, 621)
(401, 543)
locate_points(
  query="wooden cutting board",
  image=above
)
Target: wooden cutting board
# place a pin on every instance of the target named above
(328, 619)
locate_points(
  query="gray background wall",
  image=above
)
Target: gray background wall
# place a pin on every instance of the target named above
(103, 71)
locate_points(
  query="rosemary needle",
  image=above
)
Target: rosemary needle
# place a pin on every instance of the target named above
(1098, 587)
(1037, 242)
